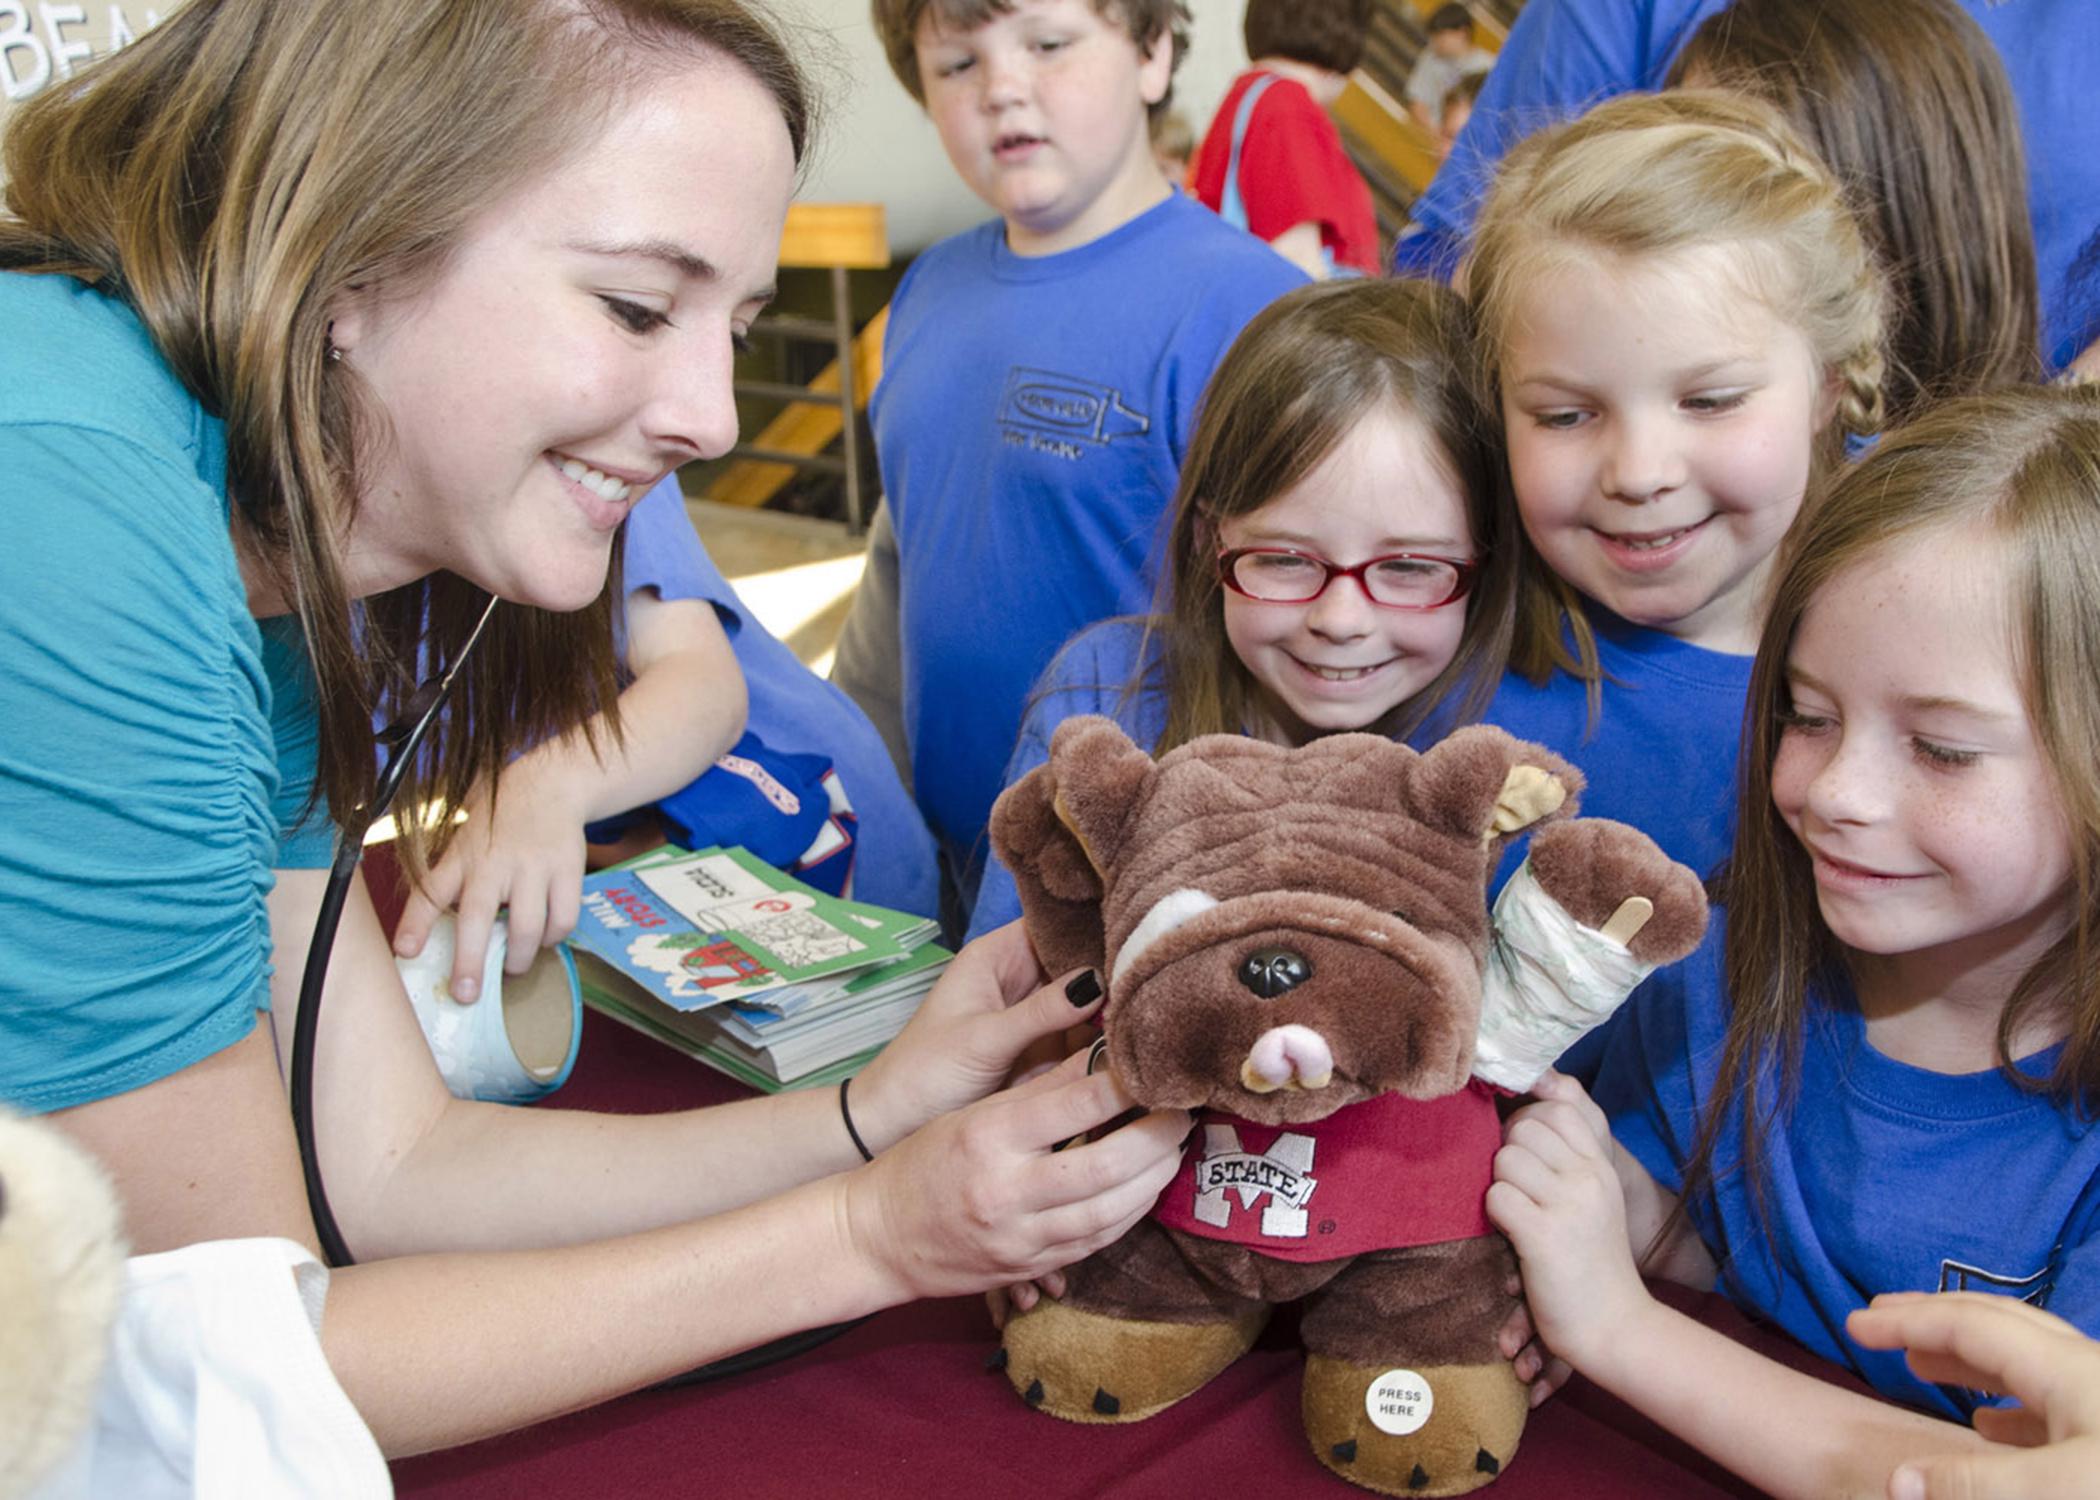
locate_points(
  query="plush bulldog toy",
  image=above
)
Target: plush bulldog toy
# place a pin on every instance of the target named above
(1298, 947)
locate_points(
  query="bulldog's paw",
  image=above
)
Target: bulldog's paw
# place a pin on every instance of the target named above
(1597, 869)
(1087, 1367)
(1436, 1430)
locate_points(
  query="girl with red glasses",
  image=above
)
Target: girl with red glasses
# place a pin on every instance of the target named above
(1337, 558)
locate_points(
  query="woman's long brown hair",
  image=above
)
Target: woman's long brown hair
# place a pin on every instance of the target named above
(231, 175)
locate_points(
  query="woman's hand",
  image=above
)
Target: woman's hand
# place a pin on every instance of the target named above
(1994, 1343)
(527, 855)
(1003, 1302)
(1543, 1371)
(1557, 1196)
(986, 1011)
(981, 1198)
(1038, 1058)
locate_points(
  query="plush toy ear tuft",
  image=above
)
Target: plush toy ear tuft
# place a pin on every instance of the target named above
(1060, 893)
(1528, 794)
(1483, 783)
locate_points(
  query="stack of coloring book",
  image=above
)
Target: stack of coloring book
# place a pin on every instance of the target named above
(718, 954)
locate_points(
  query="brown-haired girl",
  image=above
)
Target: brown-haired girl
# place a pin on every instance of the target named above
(316, 322)
(1880, 1076)
(1338, 558)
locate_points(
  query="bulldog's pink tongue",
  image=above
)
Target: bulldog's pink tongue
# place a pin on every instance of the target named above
(1287, 1057)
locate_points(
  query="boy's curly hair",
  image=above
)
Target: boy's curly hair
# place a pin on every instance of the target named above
(897, 23)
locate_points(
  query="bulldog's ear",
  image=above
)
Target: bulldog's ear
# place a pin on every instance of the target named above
(1483, 783)
(1058, 830)
(1101, 777)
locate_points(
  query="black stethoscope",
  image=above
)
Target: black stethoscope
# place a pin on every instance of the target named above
(403, 739)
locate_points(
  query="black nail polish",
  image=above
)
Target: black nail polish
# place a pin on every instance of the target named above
(1084, 989)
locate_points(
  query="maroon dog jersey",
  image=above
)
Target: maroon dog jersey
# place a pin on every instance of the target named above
(1381, 1175)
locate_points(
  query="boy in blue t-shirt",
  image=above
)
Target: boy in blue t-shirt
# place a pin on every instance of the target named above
(1041, 372)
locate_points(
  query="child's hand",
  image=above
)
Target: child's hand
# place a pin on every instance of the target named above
(1997, 1344)
(1004, 1301)
(528, 856)
(1557, 1196)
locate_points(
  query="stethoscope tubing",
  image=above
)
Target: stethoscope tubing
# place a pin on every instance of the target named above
(349, 851)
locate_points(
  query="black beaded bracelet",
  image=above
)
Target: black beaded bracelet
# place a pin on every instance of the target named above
(846, 1114)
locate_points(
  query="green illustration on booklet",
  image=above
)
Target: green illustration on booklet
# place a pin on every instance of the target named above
(718, 954)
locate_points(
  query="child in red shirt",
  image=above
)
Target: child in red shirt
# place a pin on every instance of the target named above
(1272, 161)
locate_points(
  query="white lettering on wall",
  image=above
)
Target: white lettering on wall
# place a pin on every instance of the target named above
(18, 80)
(65, 51)
(55, 41)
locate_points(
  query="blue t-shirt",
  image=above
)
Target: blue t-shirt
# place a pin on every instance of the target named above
(158, 745)
(1564, 55)
(1662, 754)
(793, 709)
(1883, 1178)
(1031, 423)
(1087, 677)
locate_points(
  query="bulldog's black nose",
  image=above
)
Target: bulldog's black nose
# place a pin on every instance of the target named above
(1270, 972)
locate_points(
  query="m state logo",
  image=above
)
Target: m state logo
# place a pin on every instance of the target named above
(1283, 1173)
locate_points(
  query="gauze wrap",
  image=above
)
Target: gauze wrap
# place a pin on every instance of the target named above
(1549, 979)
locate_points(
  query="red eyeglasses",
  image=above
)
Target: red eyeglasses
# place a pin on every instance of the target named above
(1399, 580)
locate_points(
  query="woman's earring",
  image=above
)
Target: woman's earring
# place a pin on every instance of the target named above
(335, 355)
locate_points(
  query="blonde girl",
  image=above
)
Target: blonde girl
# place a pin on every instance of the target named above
(1879, 1075)
(1682, 323)
(1339, 557)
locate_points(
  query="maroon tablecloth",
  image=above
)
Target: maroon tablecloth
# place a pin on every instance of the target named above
(903, 1405)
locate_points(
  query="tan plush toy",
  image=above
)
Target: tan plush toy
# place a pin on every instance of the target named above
(61, 1275)
(1298, 946)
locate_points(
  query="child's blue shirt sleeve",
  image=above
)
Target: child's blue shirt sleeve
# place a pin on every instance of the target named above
(1561, 56)
(791, 708)
(1647, 1084)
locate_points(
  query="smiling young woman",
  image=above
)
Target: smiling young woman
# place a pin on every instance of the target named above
(318, 325)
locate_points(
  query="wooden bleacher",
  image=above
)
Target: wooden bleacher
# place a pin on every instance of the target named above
(838, 238)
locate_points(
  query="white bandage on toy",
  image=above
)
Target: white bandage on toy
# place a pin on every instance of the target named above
(1549, 979)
